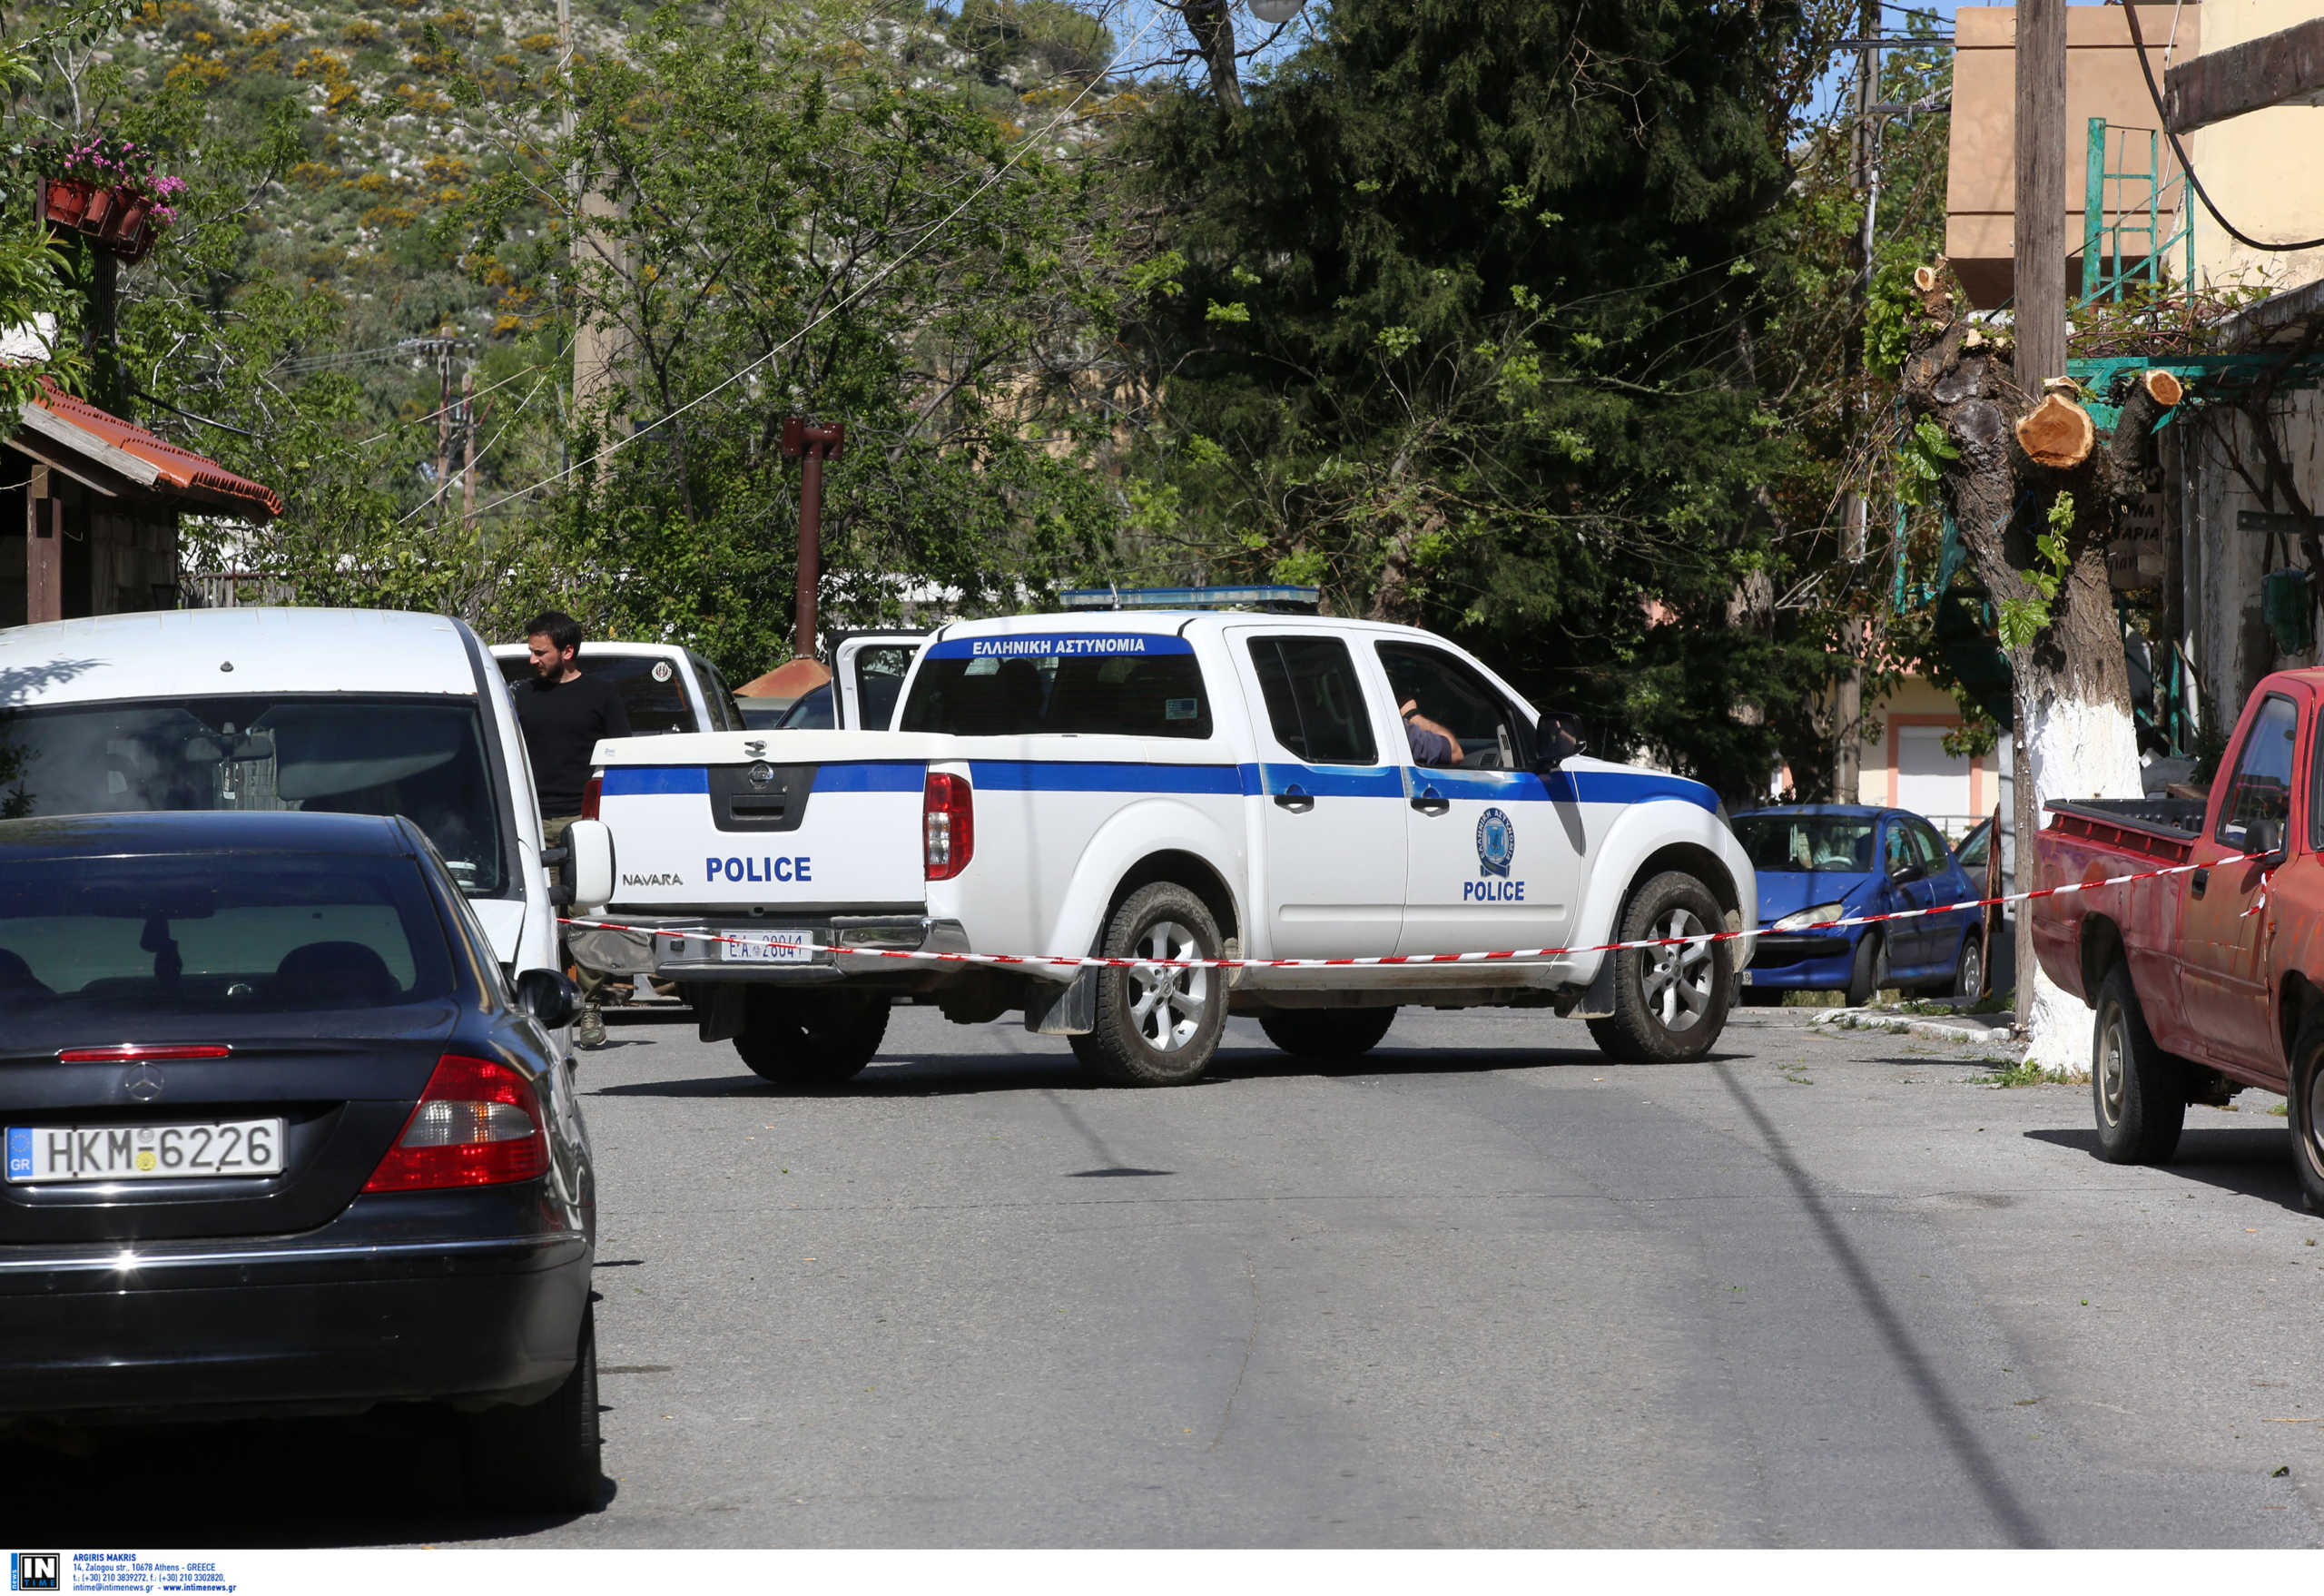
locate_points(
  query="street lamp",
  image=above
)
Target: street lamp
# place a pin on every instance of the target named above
(1276, 13)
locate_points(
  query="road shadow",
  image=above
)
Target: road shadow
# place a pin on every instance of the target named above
(2253, 1161)
(390, 1477)
(942, 1075)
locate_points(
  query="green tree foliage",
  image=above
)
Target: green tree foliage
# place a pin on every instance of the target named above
(785, 223)
(1462, 325)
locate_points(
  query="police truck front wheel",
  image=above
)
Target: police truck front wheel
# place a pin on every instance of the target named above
(1669, 1002)
(1157, 1025)
(811, 1038)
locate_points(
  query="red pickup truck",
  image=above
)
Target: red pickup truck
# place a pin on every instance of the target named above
(2205, 981)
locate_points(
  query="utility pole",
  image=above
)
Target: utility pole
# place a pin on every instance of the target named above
(467, 449)
(443, 424)
(1848, 753)
(2038, 287)
(812, 442)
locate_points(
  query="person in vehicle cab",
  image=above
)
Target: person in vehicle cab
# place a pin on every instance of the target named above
(564, 716)
(1431, 743)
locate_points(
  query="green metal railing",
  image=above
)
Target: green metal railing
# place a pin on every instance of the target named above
(2142, 205)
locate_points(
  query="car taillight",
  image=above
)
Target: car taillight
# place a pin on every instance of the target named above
(140, 1052)
(478, 1123)
(948, 814)
(590, 794)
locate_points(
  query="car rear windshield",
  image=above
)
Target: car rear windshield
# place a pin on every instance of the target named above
(83, 940)
(1132, 687)
(1808, 843)
(341, 754)
(653, 690)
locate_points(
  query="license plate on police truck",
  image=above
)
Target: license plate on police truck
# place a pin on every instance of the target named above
(143, 1152)
(790, 947)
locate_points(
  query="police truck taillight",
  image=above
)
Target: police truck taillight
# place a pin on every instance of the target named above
(479, 1123)
(592, 793)
(949, 824)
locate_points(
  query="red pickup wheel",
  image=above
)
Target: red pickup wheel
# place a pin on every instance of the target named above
(2306, 1109)
(2138, 1090)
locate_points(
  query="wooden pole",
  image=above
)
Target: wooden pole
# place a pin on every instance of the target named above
(2040, 295)
(43, 550)
(1848, 753)
(443, 426)
(2040, 266)
(467, 449)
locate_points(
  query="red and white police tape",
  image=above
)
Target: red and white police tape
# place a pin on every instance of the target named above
(1518, 955)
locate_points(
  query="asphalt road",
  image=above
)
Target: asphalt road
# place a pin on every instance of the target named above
(1484, 1289)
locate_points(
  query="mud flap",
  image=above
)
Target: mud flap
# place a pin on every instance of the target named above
(1598, 1000)
(718, 1008)
(1070, 1010)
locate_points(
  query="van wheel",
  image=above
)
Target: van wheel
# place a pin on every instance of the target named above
(1870, 972)
(544, 1458)
(2136, 1088)
(1327, 1033)
(2306, 1109)
(811, 1038)
(1156, 1027)
(1670, 1003)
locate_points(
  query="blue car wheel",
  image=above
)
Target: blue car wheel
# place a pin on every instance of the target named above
(1870, 972)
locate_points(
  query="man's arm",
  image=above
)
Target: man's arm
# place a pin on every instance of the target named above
(616, 712)
(1431, 743)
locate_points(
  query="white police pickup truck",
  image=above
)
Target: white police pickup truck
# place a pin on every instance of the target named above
(1188, 785)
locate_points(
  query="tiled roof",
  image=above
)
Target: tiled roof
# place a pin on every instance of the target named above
(180, 468)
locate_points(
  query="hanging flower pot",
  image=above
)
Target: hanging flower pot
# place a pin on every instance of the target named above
(108, 192)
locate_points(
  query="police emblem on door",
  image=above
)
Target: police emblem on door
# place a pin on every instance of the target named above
(1496, 843)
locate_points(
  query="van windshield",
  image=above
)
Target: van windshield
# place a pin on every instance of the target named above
(422, 758)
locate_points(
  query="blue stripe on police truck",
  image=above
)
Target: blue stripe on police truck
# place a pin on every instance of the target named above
(893, 776)
(871, 776)
(1011, 776)
(640, 781)
(1042, 646)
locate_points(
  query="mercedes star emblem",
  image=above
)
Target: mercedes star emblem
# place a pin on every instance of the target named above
(144, 1083)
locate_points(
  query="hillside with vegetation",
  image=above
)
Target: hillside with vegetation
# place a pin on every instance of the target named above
(1522, 321)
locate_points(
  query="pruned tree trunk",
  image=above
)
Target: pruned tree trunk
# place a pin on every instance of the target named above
(2018, 454)
(1212, 24)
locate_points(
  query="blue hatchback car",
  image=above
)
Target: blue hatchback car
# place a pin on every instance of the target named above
(1821, 863)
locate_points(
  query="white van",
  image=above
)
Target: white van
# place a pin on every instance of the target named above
(350, 712)
(664, 687)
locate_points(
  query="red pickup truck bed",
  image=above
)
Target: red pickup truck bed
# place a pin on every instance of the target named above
(2214, 975)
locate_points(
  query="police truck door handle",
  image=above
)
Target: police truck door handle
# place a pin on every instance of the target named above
(1296, 800)
(2198, 881)
(1432, 802)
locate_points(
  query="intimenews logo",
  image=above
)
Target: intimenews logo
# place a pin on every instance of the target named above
(35, 1571)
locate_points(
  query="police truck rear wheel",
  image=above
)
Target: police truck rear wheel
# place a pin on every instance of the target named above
(2306, 1109)
(811, 1038)
(1670, 1003)
(1325, 1034)
(1157, 1026)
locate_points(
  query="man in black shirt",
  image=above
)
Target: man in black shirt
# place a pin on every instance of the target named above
(564, 714)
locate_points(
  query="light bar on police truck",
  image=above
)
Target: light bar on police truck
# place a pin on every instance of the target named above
(1266, 595)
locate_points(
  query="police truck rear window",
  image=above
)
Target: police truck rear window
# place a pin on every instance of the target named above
(1124, 685)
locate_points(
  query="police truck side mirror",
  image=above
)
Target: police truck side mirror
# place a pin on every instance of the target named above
(589, 862)
(1558, 739)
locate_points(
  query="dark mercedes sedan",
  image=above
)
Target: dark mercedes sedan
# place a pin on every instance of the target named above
(282, 1139)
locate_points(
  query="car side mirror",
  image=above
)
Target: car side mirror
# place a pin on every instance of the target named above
(2266, 838)
(1559, 739)
(1905, 874)
(589, 862)
(550, 996)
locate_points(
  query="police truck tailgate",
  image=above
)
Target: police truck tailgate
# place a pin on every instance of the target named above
(766, 821)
